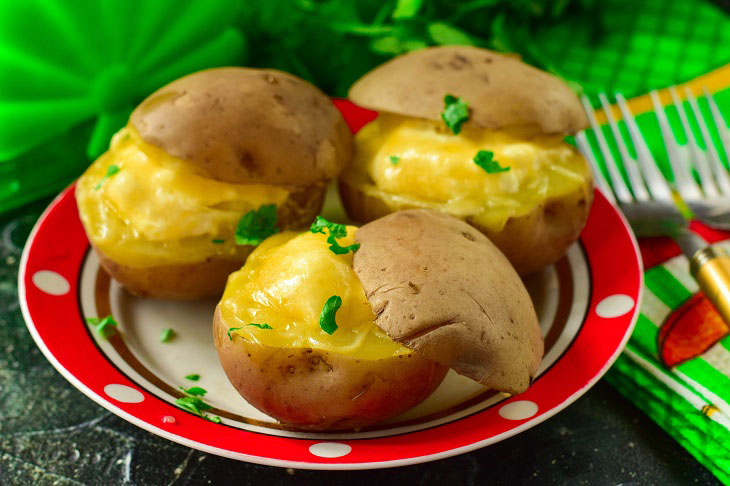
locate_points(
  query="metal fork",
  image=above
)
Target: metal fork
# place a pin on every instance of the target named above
(710, 200)
(648, 204)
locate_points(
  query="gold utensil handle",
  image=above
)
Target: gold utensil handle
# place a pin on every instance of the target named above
(711, 268)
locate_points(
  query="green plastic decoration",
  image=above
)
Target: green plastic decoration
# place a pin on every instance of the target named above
(71, 73)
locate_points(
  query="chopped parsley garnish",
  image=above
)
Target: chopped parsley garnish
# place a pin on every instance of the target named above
(456, 112)
(335, 231)
(194, 404)
(105, 326)
(257, 225)
(232, 329)
(218, 242)
(394, 159)
(261, 326)
(193, 377)
(195, 391)
(485, 160)
(166, 335)
(110, 171)
(327, 317)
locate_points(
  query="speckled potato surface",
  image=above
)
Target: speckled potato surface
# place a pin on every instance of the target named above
(530, 241)
(318, 390)
(441, 288)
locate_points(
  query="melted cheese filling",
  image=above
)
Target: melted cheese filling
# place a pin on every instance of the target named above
(285, 284)
(435, 168)
(159, 209)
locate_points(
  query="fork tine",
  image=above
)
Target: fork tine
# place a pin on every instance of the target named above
(721, 176)
(637, 182)
(720, 124)
(698, 158)
(585, 149)
(619, 186)
(683, 179)
(653, 177)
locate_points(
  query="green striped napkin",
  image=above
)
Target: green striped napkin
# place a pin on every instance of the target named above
(676, 366)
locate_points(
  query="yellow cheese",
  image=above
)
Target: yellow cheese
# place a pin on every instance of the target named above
(436, 169)
(285, 284)
(159, 209)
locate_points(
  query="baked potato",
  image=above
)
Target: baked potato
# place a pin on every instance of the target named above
(163, 206)
(415, 293)
(477, 135)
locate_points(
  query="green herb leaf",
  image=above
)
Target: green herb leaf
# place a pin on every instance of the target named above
(105, 326)
(110, 171)
(193, 377)
(257, 225)
(485, 160)
(406, 9)
(394, 159)
(218, 242)
(193, 404)
(445, 34)
(327, 317)
(194, 391)
(231, 329)
(166, 335)
(261, 326)
(321, 225)
(456, 112)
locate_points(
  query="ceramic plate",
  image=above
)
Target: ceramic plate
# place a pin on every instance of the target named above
(586, 302)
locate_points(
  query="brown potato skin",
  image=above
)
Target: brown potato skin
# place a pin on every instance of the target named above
(440, 287)
(530, 242)
(192, 281)
(317, 390)
(189, 281)
(248, 126)
(502, 91)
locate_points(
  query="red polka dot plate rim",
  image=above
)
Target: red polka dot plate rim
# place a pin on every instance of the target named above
(587, 304)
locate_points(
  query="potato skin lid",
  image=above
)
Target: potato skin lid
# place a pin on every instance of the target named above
(248, 126)
(441, 288)
(501, 90)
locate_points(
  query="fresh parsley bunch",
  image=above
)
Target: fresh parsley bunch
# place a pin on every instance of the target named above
(298, 35)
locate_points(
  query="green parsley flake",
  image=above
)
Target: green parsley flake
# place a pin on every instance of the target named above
(327, 317)
(166, 335)
(335, 231)
(195, 391)
(485, 160)
(105, 326)
(218, 242)
(257, 225)
(193, 377)
(232, 329)
(261, 326)
(456, 112)
(194, 404)
(394, 159)
(110, 171)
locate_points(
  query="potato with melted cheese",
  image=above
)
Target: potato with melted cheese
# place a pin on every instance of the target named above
(532, 205)
(419, 293)
(161, 206)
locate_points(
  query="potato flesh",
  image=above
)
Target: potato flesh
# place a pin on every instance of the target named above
(435, 169)
(285, 284)
(162, 210)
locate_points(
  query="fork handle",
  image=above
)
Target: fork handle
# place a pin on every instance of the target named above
(711, 268)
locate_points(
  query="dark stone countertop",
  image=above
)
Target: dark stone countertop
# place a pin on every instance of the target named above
(52, 434)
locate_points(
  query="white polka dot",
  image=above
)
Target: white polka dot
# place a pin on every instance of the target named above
(51, 282)
(124, 393)
(519, 410)
(614, 306)
(330, 449)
